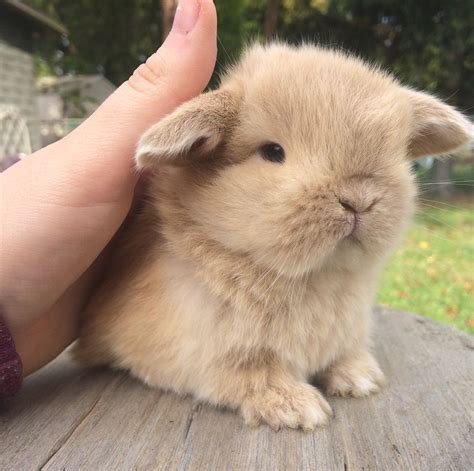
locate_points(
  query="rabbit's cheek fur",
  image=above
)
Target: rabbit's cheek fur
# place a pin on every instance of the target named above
(297, 224)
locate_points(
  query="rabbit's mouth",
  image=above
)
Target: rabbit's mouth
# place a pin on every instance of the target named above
(352, 224)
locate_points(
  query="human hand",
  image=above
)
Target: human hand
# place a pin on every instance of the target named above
(61, 206)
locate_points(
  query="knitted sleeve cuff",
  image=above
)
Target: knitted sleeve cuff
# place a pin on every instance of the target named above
(11, 368)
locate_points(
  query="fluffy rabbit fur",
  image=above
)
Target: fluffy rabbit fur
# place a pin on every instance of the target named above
(240, 278)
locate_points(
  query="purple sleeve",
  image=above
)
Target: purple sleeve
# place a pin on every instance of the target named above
(9, 160)
(11, 369)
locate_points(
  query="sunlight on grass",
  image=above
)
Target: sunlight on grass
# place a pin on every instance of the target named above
(432, 274)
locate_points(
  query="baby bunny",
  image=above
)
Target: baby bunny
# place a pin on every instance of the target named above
(251, 265)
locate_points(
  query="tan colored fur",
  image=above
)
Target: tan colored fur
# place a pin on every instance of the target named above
(238, 280)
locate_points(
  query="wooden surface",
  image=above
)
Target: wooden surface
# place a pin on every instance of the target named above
(69, 418)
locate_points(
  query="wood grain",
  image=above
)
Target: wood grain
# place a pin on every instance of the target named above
(70, 418)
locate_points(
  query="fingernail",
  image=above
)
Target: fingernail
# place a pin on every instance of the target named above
(186, 16)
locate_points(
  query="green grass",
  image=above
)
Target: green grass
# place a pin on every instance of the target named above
(432, 273)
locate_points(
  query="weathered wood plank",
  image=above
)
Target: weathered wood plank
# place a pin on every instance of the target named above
(68, 418)
(34, 425)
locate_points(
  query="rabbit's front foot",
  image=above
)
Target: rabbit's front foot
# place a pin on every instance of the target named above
(356, 376)
(296, 405)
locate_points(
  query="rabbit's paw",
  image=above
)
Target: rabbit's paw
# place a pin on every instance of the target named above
(296, 406)
(356, 377)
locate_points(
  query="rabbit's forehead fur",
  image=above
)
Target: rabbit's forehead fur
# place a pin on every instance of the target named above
(321, 106)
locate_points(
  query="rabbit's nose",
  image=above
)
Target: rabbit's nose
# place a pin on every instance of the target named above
(357, 207)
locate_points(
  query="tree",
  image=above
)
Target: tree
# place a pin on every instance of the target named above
(271, 19)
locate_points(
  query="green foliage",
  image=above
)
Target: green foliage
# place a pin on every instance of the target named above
(429, 44)
(307, 20)
(252, 20)
(230, 34)
(432, 273)
(111, 37)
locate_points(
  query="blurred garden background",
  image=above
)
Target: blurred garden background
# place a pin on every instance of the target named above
(60, 58)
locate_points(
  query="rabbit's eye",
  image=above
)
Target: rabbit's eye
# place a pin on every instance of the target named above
(273, 152)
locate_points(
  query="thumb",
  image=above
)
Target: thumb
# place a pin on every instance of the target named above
(178, 71)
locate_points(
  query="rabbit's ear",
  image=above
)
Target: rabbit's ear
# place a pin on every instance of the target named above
(190, 132)
(438, 128)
